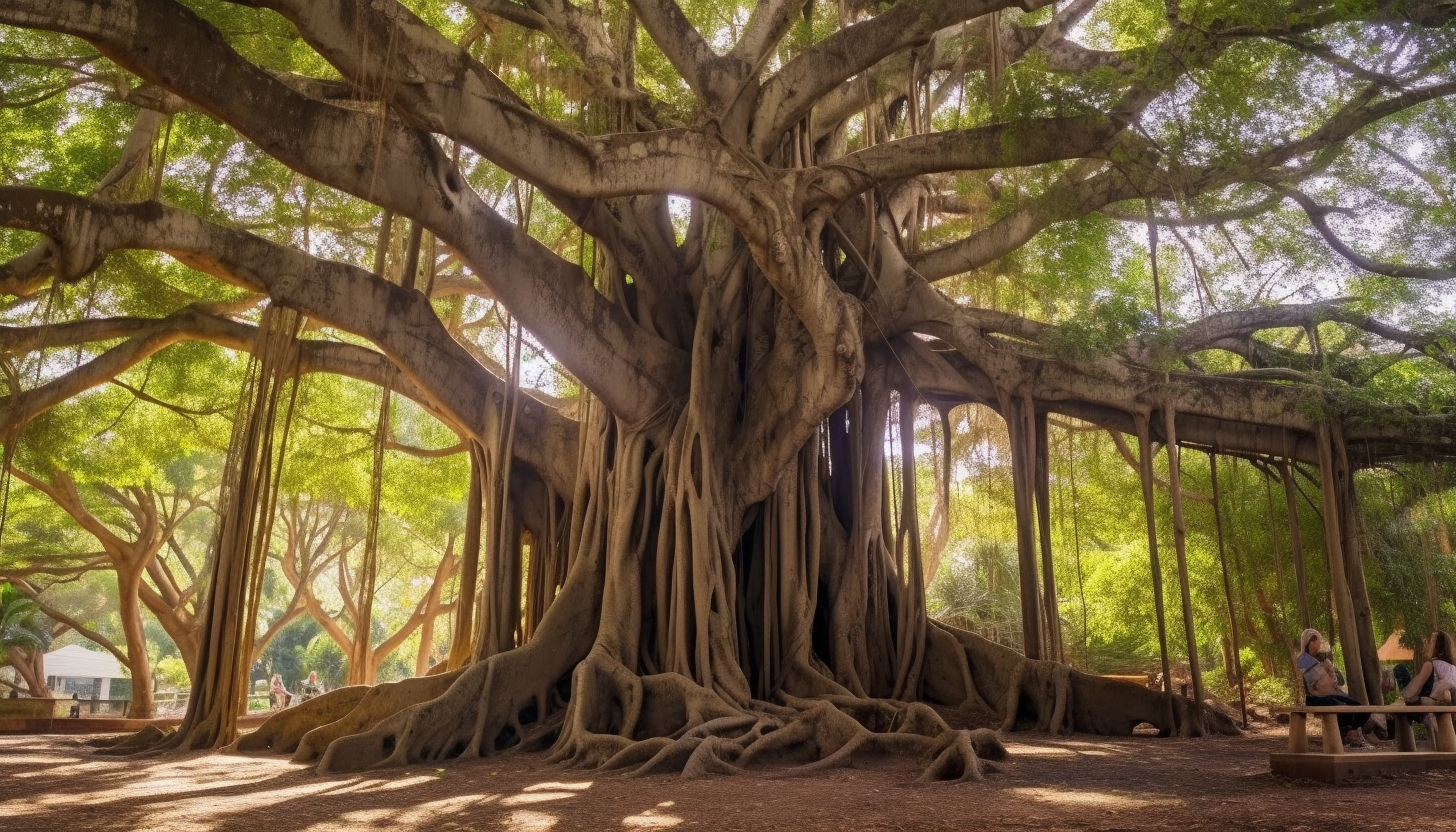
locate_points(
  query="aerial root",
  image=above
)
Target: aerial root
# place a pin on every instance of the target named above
(1047, 687)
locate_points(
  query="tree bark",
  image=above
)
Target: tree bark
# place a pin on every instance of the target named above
(1145, 474)
(1050, 604)
(1175, 493)
(1296, 542)
(1344, 607)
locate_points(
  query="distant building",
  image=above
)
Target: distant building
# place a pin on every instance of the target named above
(74, 669)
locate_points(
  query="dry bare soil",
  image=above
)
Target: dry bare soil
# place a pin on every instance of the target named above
(1050, 783)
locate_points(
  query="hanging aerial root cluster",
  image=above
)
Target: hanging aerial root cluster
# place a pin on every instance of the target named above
(249, 496)
(689, 636)
(673, 648)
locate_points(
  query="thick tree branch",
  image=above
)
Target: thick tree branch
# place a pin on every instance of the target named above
(386, 163)
(101, 641)
(402, 323)
(439, 87)
(26, 273)
(1317, 214)
(993, 146)
(510, 12)
(708, 75)
(798, 87)
(1065, 199)
(147, 337)
(767, 25)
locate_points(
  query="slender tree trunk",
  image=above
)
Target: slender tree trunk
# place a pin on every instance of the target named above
(1145, 474)
(1077, 544)
(363, 661)
(1050, 602)
(1344, 608)
(431, 611)
(143, 705)
(244, 529)
(1228, 591)
(466, 599)
(1296, 542)
(1023, 472)
(1366, 645)
(1180, 546)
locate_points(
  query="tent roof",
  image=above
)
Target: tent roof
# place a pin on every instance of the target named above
(74, 661)
(1392, 651)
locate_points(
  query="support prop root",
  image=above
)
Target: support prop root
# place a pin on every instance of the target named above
(511, 701)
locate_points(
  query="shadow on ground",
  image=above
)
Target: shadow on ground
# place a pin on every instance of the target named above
(55, 783)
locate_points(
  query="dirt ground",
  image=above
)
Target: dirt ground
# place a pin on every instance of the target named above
(1051, 783)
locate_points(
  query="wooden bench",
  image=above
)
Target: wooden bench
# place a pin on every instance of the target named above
(1333, 765)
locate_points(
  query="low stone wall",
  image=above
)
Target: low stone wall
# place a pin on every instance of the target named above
(102, 725)
(30, 708)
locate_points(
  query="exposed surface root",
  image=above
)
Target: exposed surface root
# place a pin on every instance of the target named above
(620, 721)
(1047, 696)
(380, 703)
(142, 740)
(606, 717)
(666, 722)
(512, 700)
(283, 731)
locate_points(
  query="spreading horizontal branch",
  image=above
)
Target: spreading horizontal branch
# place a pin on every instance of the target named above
(1006, 145)
(794, 90)
(1066, 199)
(389, 164)
(401, 322)
(1317, 214)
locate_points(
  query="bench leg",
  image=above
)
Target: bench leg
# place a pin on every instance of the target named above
(1333, 741)
(1298, 738)
(1405, 738)
(1445, 735)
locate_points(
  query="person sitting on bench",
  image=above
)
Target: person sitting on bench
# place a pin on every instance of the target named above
(278, 694)
(311, 687)
(1320, 688)
(1437, 679)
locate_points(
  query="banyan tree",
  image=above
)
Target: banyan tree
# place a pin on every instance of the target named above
(791, 230)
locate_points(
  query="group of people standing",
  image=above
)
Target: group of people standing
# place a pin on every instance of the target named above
(1435, 683)
(281, 697)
